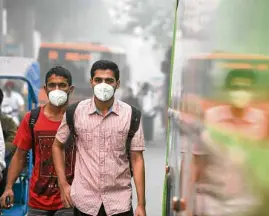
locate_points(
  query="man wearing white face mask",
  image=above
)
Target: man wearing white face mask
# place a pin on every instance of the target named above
(102, 184)
(220, 185)
(239, 115)
(44, 194)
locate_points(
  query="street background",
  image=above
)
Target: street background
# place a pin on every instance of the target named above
(155, 168)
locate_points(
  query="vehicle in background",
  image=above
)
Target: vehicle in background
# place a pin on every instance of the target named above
(202, 88)
(78, 59)
(28, 71)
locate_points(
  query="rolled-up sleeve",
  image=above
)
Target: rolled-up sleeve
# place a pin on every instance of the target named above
(138, 143)
(2, 150)
(63, 131)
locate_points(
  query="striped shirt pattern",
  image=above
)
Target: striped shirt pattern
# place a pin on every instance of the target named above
(102, 173)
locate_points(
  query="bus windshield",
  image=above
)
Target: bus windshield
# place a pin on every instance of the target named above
(78, 59)
(77, 62)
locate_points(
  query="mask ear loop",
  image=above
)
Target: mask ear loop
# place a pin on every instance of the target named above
(116, 87)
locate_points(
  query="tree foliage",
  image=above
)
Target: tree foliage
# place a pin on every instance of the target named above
(151, 19)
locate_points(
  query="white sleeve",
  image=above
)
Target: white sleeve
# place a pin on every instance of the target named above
(2, 151)
(20, 99)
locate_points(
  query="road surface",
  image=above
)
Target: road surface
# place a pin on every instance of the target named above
(155, 167)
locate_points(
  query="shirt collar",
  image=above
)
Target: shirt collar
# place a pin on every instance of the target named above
(93, 109)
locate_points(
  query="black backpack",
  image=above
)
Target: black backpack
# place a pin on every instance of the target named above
(135, 121)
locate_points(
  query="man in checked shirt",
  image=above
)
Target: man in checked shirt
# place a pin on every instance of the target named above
(102, 183)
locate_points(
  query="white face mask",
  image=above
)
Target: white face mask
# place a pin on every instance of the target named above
(240, 98)
(103, 91)
(58, 97)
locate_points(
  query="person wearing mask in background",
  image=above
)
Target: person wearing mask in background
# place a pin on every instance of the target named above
(102, 183)
(229, 194)
(13, 103)
(238, 115)
(44, 195)
(129, 98)
(9, 129)
(146, 100)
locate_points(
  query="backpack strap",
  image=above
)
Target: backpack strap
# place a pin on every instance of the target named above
(135, 122)
(33, 119)
(70, 111)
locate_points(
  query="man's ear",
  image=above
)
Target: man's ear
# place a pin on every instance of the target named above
(72, 88)
(118, 84)
(91, 82)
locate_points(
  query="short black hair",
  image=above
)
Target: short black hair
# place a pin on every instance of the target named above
(1, 96)
(59, 71)
(106, 65)
(240, 73)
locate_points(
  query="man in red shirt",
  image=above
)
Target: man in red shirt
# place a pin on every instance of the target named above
(44, 195)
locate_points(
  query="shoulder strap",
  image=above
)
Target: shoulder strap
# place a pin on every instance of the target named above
(70, 111)
(134, 125)
(33, 118)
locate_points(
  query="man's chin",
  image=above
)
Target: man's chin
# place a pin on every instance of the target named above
(104, 101)
(58, 106)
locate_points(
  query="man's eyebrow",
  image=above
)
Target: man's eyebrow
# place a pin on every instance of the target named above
(57, 82)
(104, 78)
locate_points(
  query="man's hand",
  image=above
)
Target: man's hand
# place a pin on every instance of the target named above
(140, 210)
(65, 195)
(8, 194)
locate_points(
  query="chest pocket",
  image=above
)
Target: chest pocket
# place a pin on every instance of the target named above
(85, 138)
(118, 139)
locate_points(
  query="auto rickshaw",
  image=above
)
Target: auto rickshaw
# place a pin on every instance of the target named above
(27, 70)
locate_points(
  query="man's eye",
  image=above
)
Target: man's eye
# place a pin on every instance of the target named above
(109, 81)
(52, 85)
(62, 85)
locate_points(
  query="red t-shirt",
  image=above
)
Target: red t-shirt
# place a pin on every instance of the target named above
(44, 191)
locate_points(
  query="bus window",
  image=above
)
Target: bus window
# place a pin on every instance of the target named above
(75, 61)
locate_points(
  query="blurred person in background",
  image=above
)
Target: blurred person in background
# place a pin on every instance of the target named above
(9, 129)
(44, 193)
(237, 115)
(129, 98)
(13, 103)
(147, 102)
(218, 156)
